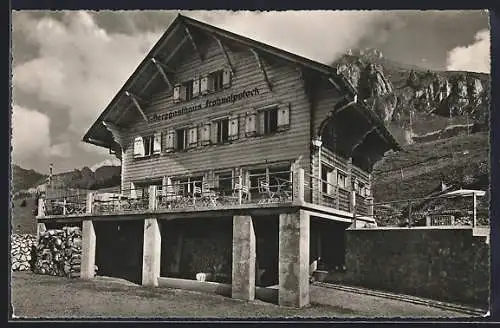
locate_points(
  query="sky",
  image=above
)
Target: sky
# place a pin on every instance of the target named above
(68, 65)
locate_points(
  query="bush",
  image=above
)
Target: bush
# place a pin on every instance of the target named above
(23, 203)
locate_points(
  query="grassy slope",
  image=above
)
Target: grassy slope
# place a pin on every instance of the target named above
(23, 220)
(425, 165)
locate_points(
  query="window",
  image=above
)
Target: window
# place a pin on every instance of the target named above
(218, 80)
(342, 179)
(327, 177)
(270, 121)
(189, 90)
(224, 182)
(147, 146)
(222, 130)
(185, 186)
(181, 139)
(361, 189)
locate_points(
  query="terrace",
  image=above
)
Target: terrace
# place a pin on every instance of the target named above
(278, 189)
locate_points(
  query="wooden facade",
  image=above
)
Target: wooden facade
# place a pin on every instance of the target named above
(178, 90)
(215, 127)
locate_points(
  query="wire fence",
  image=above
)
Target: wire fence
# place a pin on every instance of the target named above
(441, 210)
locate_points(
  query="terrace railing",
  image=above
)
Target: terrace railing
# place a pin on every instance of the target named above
(331, 195)
(257, 189)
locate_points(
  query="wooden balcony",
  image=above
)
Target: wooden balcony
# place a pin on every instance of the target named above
(269, 195)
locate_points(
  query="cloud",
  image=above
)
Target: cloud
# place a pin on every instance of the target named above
(61, 150)
(30, 134)
(474, 57)
(79, 66)
(318, 35)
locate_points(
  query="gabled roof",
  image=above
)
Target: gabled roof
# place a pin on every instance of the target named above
(170, 42)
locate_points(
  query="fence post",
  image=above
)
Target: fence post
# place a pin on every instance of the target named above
(409, 215)
(474, 210)
(90, 203)
(152, 198)
(41, 207)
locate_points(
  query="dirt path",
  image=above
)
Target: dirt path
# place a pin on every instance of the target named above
(37, 296)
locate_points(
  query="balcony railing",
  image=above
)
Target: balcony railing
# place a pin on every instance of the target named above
(224, 192)
(257, 189)
(331, 195)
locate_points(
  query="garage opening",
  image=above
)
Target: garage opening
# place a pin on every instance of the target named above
(119, 246)
(197, 248)
(327, 244)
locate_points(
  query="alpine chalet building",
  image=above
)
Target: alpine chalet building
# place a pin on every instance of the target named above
(242, 165)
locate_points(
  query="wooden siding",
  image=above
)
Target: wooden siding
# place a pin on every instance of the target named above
(287, 145)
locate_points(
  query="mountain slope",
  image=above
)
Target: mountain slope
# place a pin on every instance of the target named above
(418, 169)
(414, 101)
(23, 179)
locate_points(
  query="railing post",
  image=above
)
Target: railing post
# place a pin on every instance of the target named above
(370, 206)
(90, 203)
(353, 206)
(300, 184)
(194, 193)
(240, 191)
(64, 206)
(152, 198)
(41, 207)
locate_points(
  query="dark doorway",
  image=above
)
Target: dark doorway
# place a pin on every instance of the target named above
(119, 246)
(327, 243)
(267, 244)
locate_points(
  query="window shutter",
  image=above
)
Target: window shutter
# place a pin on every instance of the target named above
(204, 85)
(283, 118)
(196, 87)
(182, 92)
(177, 90)
(213, 132)
(250, 125)
(261, 121)
(170, 146)
(234, 128)
(205, 134)
(226, 78)
(210, 83)
(193, 137)
(157, 143)
(138, 147)
(133, 193)
(329, 179)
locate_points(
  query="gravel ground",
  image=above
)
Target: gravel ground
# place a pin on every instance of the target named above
(39, 296)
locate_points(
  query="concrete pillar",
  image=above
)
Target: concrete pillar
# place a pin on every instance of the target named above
(294, 245)
(90, 203)
(41, 207)
(151, 257)
(88, 250)
(40, 228)
(244, 257)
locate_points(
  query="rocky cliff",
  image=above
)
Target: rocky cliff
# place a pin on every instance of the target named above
(414, 101)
